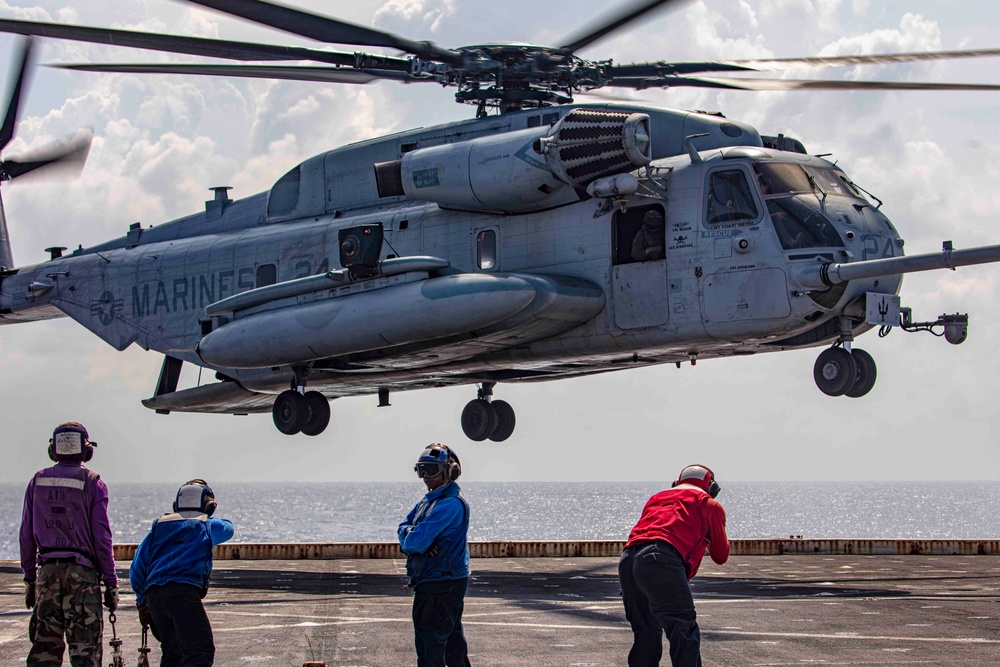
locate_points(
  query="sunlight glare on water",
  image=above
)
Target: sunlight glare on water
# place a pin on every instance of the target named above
(370, 512)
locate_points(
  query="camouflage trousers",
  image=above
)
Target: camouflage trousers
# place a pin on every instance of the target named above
(67, 602)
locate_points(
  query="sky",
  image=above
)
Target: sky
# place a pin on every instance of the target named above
(162, 141)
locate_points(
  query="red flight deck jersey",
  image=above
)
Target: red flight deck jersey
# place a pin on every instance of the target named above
(688, 519)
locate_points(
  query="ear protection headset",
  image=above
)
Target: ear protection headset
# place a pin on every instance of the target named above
(441, 459)
(701, 473)
(196, 496)
(71, 442)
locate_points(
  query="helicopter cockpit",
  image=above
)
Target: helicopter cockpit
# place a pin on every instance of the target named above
(794, 195)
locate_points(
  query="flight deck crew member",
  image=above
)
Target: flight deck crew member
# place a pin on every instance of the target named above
(662, 554)
(66, 553)
(170, 574)
(434, 538)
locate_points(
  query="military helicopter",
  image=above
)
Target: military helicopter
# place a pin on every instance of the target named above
(549, 240)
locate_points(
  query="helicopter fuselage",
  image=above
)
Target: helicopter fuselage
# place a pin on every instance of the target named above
(550, 288)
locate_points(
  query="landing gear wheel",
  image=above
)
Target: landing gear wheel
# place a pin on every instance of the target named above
(866, 374)
(319, 413)
(290, 412)
(505, 421)
(835, 371)
(479, 420)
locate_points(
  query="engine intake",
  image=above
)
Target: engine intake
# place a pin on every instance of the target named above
(589, 143)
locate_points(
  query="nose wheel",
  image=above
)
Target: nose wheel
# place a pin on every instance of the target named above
(841, 372)
(307, 413)
(484, 418)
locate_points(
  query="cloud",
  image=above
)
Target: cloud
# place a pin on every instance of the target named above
(427, 14)
(132, 370)
(160, 142)
(915, 33)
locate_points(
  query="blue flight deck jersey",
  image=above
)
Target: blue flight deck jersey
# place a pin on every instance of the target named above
(177, 549)
(441, 519)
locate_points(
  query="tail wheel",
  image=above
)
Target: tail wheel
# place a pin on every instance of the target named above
(835, 371)
(866, 374)
(479, 420)
(290, 412)
(319, 413)
(505, 421)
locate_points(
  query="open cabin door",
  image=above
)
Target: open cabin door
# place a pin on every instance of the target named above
(638, 269)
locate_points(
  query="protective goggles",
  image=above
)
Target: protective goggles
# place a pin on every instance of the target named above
(428, 469)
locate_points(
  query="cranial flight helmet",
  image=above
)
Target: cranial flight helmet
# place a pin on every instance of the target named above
(71, 442)
(196, 496)
(700, 476)
(438, 459)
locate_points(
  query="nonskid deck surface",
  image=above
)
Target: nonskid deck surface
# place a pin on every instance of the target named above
(567, 612)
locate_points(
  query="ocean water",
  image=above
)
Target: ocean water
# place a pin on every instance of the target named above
(370, 512)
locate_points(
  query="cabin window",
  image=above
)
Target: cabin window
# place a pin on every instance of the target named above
(267, 274)
(486, 249)
(729, 198)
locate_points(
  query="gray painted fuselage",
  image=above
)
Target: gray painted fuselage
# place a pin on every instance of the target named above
(723, 288)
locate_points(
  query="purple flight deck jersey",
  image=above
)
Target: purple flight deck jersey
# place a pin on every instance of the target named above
(65, 515)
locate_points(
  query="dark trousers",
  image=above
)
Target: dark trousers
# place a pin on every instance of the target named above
(437, 623)
(658, 599)
(181, 625)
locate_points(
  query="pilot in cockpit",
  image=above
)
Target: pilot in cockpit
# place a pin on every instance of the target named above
(648, 244)
(765, 183)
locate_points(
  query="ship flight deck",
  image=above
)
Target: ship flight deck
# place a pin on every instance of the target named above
(776, 602)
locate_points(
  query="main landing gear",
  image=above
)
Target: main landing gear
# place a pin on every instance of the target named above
(485, 418)
(300, 411)
(842, 371)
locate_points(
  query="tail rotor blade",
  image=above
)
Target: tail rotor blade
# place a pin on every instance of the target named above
(10, 120)
(6, 259)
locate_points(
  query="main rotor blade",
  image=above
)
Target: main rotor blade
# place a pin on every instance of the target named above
(280, 72)
(872, 59)
(628, 15)
(662, 68)
(70, 156)
(195, 46)
(10, 120)
(789, 84)
(325, 29)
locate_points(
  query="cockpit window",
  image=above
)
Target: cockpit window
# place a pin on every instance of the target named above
(781, 179)
(729, 198)
(851, 188)
(831, 183)
(800, 224)
(784, 179)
